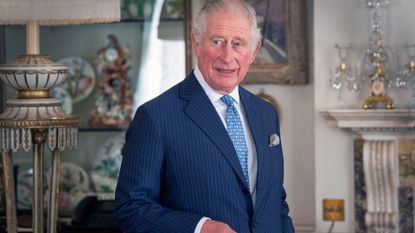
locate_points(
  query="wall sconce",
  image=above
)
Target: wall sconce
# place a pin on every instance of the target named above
(343, 76)
(34, 118)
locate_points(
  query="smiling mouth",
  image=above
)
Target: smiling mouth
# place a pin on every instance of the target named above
(226, 71)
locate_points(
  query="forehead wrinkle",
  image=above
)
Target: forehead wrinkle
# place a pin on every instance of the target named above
(225, 31)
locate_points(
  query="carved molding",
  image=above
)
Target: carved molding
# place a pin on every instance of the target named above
(400, 121)
(40, 124)
(382, 181)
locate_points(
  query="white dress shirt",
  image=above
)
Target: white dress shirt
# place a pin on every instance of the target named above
(221, 109)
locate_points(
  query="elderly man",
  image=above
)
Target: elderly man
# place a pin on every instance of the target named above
(205, 156)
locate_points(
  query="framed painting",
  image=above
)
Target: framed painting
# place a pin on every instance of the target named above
(283, 55)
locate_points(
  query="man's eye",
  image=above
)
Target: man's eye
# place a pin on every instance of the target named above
(238, 44)
(217, 42)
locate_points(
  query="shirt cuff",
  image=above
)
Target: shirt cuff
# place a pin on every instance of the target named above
(200, 224)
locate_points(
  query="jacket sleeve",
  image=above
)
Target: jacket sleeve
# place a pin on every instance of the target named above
(138, 206)
(286, 222)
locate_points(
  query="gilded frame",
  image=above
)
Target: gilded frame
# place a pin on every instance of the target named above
(294, 71)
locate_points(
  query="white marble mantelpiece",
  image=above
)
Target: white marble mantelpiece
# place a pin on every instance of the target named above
(379, 120)
(380, 130)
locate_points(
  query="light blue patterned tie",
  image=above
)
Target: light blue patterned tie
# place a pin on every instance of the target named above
(236, 133)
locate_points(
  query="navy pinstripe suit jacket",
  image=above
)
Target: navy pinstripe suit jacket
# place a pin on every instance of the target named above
(179, 164)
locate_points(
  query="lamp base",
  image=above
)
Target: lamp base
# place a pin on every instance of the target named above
(29, 123)
(23, 116)
(36, 113)
(33, 73)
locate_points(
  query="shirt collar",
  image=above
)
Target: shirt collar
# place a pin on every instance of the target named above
(212, 94)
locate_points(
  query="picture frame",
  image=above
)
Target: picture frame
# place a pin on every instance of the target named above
(294, 70)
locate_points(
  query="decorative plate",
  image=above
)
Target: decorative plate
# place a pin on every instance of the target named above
(106, 168)
(74, 185)
(60, 94)
(25, 189)
(81, 78)
(137, 9)
(73, 178)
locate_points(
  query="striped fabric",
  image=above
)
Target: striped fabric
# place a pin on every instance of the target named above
(236, 133)
(179, 164)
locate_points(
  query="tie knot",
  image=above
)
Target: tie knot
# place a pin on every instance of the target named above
(227, 100)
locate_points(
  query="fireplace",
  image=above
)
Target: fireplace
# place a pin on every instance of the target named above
(383, 196)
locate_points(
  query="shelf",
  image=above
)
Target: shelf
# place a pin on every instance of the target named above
(102, 129)
(161, 20)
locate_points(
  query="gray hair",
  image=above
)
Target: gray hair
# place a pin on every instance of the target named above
(214, 6)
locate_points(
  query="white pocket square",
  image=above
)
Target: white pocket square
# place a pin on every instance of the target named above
(274, 140)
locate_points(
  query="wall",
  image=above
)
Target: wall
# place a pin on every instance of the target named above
(345, 22)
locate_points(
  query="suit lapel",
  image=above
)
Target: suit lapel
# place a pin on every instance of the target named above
(203, 113)
(254, 120)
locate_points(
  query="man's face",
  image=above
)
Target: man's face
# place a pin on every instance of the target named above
(224, 51)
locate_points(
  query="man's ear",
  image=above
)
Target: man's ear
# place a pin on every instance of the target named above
(195, 44)
(257, 48)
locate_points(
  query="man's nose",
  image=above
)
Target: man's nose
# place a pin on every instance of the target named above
(227, 53)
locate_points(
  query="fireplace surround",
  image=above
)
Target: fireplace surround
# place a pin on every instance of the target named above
(381, 202)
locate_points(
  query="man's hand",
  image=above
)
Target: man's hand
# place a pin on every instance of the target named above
(212, 226)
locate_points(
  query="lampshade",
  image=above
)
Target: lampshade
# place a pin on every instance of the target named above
(59, 12)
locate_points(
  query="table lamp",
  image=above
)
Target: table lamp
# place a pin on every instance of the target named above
(35, 118)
